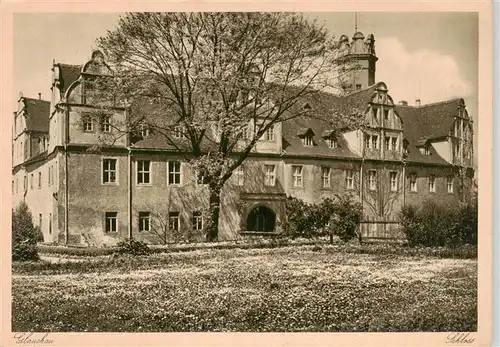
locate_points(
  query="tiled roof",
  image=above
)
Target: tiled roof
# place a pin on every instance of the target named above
(292, 143)
(37, 114)
(322, 121)
(68, 75)
(427, 122)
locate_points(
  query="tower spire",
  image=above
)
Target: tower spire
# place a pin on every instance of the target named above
(355, 21)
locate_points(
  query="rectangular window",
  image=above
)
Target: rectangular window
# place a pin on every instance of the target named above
(144, 221)
(40, 220)
(358, 87)
(375, 115)
(106, 124)
(200, 179)
(297, 175)
(394, 142)
(427, 150)
(109, 171)
(386, 117)
(197, 221)
(174, 173)
(178, 132)
(332, 143)
(25, 183)
(50, 223)
(449, 184)
(432, 183)
(270, 134)
(111, 222)
(367, 141)
(308, 141)
(143, 172)
(387, 143)
(270, 172)
(393, 176)
(49, 176)
(39, 180)
(88, 125)
(325, 175)
(17, 185)
(374, 141)
(372, 179)
(144, 130)
(31, 181)
(413, 182)
(240, 175)
(13, 188)
(349, 179)
(174, 221)
(457, 149)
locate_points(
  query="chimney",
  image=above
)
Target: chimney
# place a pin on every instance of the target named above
(39, 96)
(403, 103)
(417, 102)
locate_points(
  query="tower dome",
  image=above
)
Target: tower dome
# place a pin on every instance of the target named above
(358, 35)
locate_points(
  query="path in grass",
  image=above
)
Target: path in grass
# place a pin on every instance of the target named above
(289, 289)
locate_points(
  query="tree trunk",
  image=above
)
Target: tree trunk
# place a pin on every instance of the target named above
(213, 227)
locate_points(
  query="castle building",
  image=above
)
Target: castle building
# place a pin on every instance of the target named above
(143, 187)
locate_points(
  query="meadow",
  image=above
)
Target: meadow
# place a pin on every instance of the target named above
(299, 288)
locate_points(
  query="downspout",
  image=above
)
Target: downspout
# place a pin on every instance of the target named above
(361, 193)
(66, 175)
(404, 182)
(129, 190)
(129, 179)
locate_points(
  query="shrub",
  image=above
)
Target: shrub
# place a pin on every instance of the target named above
(300, 218)
(132, 247)
(345, 218)
(24, 235)
(438, 225)
(339, 216)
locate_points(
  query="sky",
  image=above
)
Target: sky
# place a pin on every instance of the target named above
(427, 56)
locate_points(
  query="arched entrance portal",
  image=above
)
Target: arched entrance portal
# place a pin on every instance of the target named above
(261, 218)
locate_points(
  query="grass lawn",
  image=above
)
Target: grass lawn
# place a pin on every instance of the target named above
(284, 289)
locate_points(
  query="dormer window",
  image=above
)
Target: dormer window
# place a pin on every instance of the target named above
(307, 136)
(307, 140)
(332, 143)
(425, 150)
(145, 131)
(269, 135)
(178, 132)
(330, 138)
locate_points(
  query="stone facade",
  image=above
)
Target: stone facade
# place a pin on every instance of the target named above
(80, 195)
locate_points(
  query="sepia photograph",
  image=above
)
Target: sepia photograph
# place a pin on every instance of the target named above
(244, 172)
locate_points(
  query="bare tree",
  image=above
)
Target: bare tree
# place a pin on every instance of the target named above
(212, 84)
(380, 198)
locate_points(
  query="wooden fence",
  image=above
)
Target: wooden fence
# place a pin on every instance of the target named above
(381, 229)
